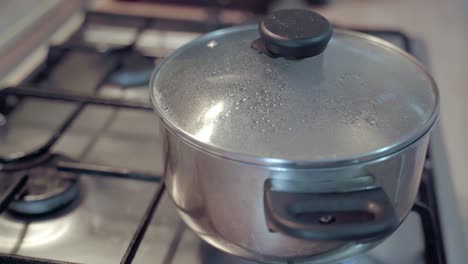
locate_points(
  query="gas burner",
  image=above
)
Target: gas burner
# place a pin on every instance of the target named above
(135, 71)
(47, 189)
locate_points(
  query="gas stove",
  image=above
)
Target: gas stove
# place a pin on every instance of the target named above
(80, 178)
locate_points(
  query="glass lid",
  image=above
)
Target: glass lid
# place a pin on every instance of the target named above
(291, 90)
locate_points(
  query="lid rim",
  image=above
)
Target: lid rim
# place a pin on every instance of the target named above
(285, 163)
(268, 161)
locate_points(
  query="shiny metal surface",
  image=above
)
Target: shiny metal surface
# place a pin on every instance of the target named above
(76, 236)
(25, 132)
(361, 102)
(222, 199)
(362, 98)
(405, 246)
(98, 227)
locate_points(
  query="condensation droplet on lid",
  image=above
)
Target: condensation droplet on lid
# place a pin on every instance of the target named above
(212, 44)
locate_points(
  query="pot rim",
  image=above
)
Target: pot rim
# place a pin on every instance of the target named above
(266, 161)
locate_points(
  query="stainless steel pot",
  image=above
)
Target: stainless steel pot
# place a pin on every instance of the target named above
(286, 143)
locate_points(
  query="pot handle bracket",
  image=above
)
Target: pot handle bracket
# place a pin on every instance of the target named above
(351, 215)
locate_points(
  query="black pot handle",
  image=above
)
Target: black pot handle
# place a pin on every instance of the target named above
(351, 215)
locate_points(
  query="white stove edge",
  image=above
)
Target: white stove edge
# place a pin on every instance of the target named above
(454, 241)
(44, 23)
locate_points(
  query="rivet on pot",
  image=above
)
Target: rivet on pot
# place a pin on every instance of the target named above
(327, 219)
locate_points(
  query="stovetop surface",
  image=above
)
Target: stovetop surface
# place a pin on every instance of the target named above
(88, 101)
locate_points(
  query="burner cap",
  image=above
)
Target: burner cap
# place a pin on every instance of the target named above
(47, 189)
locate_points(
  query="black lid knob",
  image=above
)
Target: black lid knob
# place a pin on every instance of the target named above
(295, 33)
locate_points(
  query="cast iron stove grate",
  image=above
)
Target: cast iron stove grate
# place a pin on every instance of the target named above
(35, 87)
